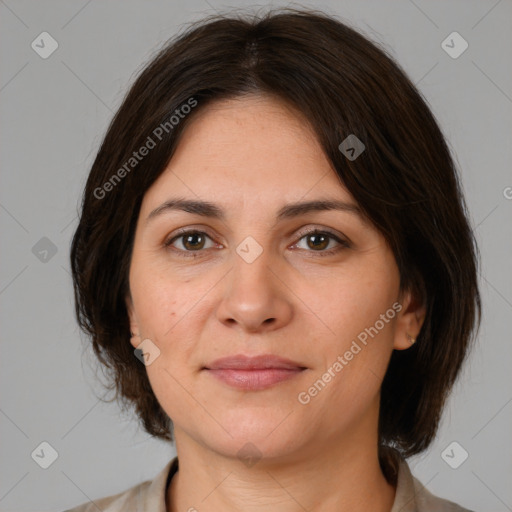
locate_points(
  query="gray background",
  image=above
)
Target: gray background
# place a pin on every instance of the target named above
(53, 115)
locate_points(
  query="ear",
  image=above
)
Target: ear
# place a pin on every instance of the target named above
(134, 325)
(409, 320)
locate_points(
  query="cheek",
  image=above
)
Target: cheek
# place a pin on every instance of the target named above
(155, 306)
(167, 309)
(160, 297)
(358, 310)
(353, 368)
(350, 303)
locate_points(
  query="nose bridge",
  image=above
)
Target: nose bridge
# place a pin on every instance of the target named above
(252, 269)
(254, 296)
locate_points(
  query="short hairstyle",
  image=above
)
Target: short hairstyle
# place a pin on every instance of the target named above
(405, 183)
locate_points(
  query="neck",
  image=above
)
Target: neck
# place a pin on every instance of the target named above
(329, 476)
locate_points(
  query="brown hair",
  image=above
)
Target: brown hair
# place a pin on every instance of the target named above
(405, 182)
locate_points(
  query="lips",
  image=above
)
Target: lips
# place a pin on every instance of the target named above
(253, 373)
(261, 362)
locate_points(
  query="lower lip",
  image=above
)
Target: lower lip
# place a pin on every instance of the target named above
(254, 379)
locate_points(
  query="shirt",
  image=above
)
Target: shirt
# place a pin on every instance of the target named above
(149, 496)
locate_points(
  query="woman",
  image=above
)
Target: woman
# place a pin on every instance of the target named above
(275, 263)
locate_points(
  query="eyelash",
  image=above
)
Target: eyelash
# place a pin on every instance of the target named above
(194, 254)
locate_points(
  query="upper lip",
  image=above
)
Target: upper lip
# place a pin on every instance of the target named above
(261, 362)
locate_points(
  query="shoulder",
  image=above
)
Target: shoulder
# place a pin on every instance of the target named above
(428, 502)
(412, 496)
(148, 495)
(115, 503)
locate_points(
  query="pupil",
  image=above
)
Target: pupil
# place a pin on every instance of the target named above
(321, 243)
(189, 240)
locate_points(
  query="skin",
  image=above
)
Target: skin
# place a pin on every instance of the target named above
(251, 156)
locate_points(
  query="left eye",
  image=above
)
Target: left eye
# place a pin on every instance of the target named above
(319, 241)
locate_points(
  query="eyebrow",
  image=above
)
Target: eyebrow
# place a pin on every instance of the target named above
(208, 209)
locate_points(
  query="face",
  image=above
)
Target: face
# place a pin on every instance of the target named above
(253, 276)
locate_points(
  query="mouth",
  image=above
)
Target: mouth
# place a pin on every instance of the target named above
(253, 373)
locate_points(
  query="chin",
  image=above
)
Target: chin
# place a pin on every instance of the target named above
(256, 433)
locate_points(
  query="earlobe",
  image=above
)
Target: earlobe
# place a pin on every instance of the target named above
(134, 339)
(409, 321)
(411, 339)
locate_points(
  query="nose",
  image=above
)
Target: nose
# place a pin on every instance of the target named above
(255, 297)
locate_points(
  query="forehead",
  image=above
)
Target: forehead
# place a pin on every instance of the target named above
(248, 149)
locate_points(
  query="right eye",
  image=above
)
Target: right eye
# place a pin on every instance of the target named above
(191, 241)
